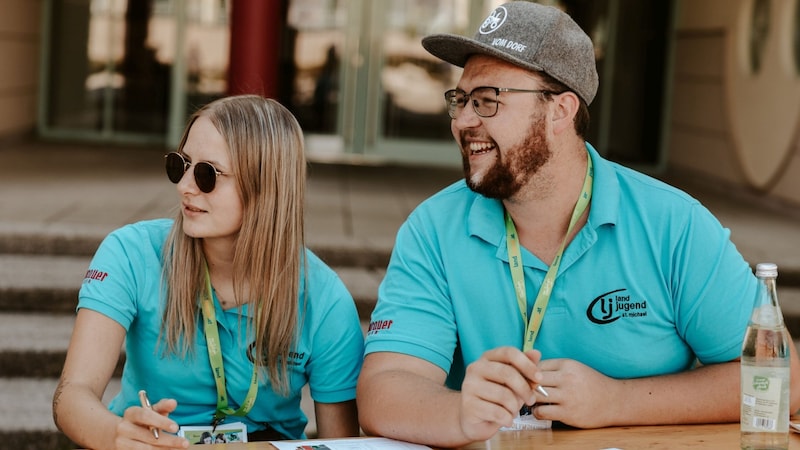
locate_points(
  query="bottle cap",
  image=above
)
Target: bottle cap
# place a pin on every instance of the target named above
(768, 270)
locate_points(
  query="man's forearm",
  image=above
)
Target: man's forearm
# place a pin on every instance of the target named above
(409, 407)
(707, 394)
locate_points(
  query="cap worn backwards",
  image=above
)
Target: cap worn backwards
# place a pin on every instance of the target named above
(532, 36)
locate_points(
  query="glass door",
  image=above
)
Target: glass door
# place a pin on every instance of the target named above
(402, 85)
(632, 39)
(365, 88)
(130, 71)
(406, 119)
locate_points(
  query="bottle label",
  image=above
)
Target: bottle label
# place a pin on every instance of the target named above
(761, 399)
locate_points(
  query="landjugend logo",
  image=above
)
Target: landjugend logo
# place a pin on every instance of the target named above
(294, 359)
(614, 305)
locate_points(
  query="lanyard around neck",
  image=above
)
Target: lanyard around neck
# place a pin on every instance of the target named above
(515, 264)
(215, 357)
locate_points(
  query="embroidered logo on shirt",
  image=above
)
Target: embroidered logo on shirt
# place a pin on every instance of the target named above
(94, 275)
(295, 359)
(379, 325)
(614, 305)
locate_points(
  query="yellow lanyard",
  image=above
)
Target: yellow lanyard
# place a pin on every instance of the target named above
(215, 357)
(515, 265)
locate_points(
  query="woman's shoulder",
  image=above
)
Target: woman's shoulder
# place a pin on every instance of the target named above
(316, 266)
(324, 292)
(320, 278)
(149, 227)
(153, 232)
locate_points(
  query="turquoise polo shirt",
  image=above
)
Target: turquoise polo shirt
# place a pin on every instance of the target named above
(649, 284)
(124, 283)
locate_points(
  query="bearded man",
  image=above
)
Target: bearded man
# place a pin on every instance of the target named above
(550, 285)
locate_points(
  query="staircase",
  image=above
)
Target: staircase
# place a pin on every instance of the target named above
(39, 284)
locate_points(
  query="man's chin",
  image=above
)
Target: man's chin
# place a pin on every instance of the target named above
(474, 181)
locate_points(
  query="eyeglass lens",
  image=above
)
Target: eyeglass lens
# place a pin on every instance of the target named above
(483, 99)
(205, 175)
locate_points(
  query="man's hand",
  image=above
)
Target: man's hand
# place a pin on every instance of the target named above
(579, 396)
(495, 388)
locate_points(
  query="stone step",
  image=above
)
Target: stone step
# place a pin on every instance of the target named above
(82, 241)
(26, 420)
(40, 283)
(34, 344)
(28, 403)
(33, 283)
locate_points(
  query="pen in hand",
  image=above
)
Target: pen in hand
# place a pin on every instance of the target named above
(146, 404)
(541, 390)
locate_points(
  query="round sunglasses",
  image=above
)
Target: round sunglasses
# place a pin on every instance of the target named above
(205, 175)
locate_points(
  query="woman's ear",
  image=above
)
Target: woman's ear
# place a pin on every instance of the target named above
(566, 107)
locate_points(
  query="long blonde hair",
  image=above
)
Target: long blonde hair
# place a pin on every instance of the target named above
(268, 161)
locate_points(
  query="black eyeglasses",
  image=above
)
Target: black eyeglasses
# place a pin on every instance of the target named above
(205, 175)
(485, 99)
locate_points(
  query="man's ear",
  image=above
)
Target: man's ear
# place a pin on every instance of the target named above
(566, 107)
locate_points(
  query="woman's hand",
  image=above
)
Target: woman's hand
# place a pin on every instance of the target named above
(138, 423)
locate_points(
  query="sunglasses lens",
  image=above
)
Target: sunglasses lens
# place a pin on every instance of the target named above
(175, 167)
(205, 176)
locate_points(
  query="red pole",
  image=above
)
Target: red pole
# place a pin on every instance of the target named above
(255, 47)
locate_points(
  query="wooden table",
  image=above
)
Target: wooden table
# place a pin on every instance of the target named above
(706, 437)
(670, 437)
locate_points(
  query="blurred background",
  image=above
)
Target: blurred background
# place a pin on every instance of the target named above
(705, 87)
(702, 93)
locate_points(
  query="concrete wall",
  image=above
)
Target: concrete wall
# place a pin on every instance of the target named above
(731, 123)
(20, 38)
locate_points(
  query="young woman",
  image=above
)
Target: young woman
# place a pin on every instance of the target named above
(223, 312)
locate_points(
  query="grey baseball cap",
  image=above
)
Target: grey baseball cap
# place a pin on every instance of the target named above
(531, 36)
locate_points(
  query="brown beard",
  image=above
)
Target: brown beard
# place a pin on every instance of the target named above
(510, 173)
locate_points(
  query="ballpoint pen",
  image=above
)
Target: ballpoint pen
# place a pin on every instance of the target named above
(146, 404)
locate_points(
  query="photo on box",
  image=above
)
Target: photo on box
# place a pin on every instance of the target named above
(223, 434)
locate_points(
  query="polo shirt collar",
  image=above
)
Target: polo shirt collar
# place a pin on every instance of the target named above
(605, 191)
(485, 216)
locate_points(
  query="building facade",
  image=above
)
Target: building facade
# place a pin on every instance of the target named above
(707, 88)
(20, 39)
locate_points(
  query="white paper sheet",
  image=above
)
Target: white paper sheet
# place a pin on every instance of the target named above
(348, 444)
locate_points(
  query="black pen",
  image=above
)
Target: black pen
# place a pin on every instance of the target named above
(146, 404)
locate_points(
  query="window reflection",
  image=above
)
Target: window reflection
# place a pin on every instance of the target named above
(412, 79)
(113, 60)
(206, 51)
(317, 34)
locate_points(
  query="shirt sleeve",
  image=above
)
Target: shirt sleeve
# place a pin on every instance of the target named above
(714, 289)
(110, 284)
(414, 314)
